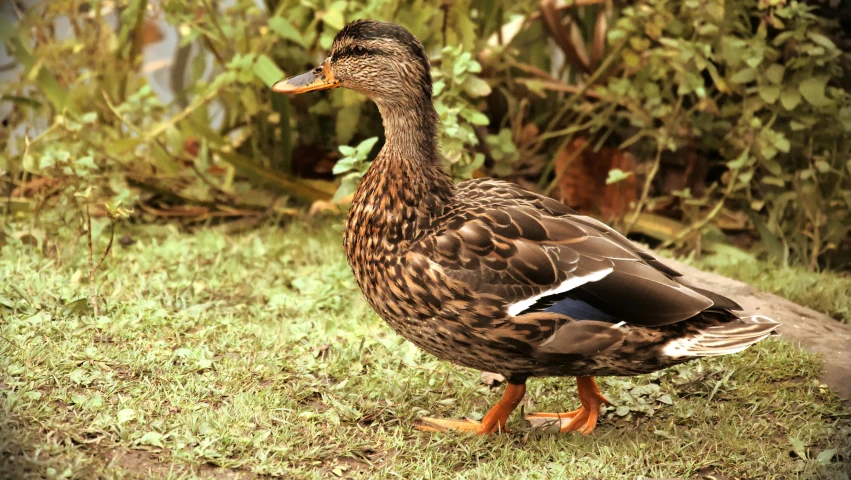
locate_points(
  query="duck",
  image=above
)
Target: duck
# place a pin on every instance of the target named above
(491, 276)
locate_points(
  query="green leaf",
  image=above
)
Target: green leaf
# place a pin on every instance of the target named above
(754, 61)
(88, 118)
(475, 117)
(746, 75)
(125, 415)
(777, 182)
(438, 87)
(344, 165)
(617, 175)
(821, 40)
(825, 456)
(799, 447)
(812, 89)
(769, 93)
(740, 161)
(774, 73)
(286, 30)
(334, 18)
(845, 118)
(46, 81)
(95, 402)
(614, 35)
(86, 162)
(77, 307)
(476, 87)
(348, 185)
(152, 438)
(365, 146)
(790, 98)
(267, 71)
(462, 63)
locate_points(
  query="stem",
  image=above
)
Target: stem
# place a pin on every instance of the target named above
(92, 295)
(585, 86)
(109, 245)
(654, 170)
(134, 39)
(816, 251)
(646, 190)
(705, 220)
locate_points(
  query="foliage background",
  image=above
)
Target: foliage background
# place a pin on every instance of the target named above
(703, 124)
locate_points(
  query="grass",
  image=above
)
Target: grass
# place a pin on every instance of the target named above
(225, 356)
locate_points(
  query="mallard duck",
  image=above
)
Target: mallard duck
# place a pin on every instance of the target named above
(494, 277)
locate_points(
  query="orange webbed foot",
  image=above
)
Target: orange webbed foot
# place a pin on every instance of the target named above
(584, 419)
(427, 424)
(494, 421)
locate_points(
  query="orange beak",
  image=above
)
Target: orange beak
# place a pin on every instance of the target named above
(320, 78)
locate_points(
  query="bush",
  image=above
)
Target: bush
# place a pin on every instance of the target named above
(736, 112)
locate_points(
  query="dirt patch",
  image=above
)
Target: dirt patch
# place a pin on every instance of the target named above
(805, 328)
(144, 464)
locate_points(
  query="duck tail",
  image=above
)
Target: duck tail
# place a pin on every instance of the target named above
(722, 339)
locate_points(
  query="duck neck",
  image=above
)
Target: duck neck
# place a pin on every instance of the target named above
(406, 186)
(410, 132)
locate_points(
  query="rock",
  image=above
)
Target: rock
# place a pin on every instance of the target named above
(806, 328)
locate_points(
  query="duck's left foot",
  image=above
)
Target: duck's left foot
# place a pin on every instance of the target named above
(494, 421)
(585, 419)
(427, 424)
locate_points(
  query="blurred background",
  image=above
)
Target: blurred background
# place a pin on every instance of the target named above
(704, 125)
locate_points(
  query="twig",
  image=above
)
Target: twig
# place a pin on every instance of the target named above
(92, 294)
(585, 86)
(697, 226)
(11, 181)
(211, 13)
(561, 34)
(653, 172)
(162, 127)
(162, 146)
(109, 245)
(11, 343)
(646, 190)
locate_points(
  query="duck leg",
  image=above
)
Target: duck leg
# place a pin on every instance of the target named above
(494, 421)
(585, 418)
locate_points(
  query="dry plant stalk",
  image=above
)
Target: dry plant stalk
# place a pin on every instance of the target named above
(114, 215)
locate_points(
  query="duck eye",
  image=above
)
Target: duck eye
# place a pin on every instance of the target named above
(359, 50)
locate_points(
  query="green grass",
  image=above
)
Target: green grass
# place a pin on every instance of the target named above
(249, 354)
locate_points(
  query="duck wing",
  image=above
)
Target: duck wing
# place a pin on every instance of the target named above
(534, 254)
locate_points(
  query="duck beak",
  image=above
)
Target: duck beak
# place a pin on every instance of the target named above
(320, 78)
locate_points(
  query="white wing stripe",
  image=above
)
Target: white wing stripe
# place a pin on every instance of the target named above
(517, 308)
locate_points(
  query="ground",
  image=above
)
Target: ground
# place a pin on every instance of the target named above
(253, 354)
